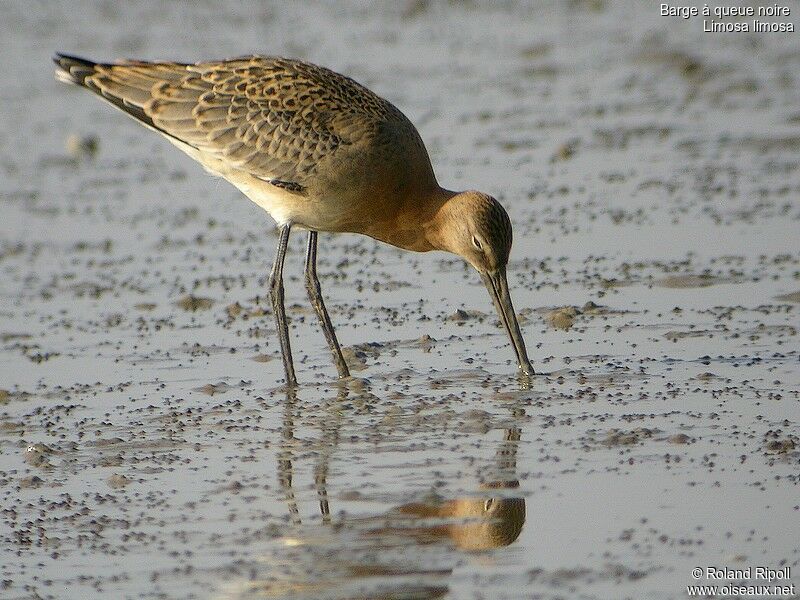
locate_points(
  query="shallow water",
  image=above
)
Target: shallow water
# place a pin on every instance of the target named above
(652, 174)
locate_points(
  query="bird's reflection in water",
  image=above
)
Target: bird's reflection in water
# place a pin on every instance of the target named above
(487, 520)
(409, 551)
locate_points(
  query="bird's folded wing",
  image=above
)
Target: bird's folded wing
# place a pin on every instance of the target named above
(274, 118)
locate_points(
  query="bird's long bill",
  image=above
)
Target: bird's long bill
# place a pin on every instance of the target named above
(497, 285)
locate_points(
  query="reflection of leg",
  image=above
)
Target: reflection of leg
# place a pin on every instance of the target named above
(315, 295)
(276, 294)
(320, 479)
(329, 440)
(285, 457)
(285, 481)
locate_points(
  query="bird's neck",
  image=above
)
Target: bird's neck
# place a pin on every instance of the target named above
(417, 221)
(441, 211)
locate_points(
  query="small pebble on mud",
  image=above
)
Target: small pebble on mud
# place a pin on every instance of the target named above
(561, 318)
(117, 481)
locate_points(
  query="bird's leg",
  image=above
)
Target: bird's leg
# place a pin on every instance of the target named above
(315, 295)
(276, 295)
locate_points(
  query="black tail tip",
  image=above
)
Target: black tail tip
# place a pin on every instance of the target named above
(66, 61)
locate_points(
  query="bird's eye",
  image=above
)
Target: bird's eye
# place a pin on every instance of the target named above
(477, 243)
(488, 504)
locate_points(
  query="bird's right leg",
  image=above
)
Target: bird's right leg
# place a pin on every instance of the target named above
(315, 295)
(276, 295)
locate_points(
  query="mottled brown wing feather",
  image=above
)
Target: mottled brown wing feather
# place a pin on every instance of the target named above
(273, 117)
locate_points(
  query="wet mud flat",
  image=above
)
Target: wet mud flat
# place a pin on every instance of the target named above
(652, 174)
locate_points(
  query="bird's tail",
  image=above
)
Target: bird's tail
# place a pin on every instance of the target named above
(126, 86)
(72, 69)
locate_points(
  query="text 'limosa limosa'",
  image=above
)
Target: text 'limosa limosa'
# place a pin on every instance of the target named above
(317, 151)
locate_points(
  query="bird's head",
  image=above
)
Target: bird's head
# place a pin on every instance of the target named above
(479, 230)
(476, 227)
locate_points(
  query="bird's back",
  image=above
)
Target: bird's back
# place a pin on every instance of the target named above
(280, 129)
